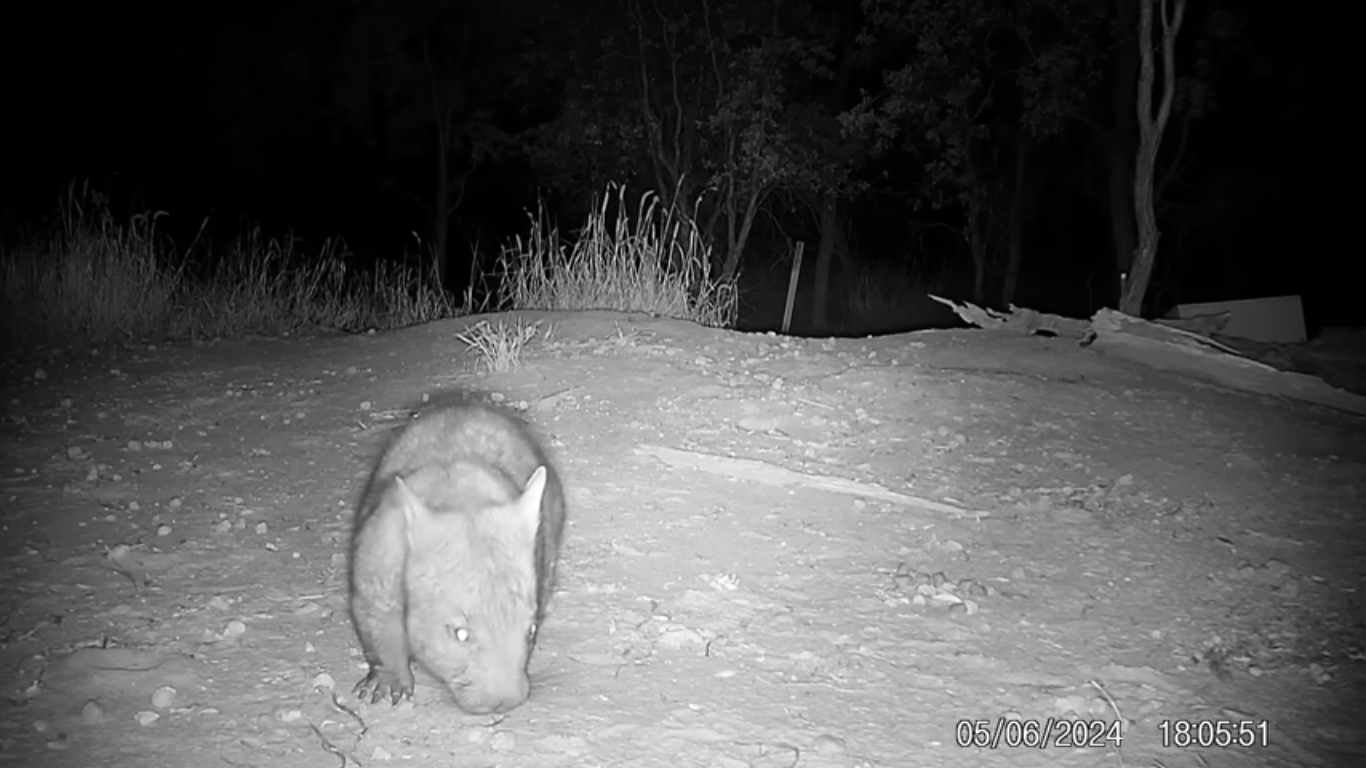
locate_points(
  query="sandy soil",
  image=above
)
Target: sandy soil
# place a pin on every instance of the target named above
(1131, 567)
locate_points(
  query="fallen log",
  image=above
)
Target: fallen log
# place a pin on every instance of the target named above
(1170, 345)
(1169, 348)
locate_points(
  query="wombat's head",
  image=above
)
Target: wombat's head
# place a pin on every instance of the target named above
(471, 589)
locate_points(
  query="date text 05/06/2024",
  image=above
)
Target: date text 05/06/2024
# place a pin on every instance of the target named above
(1054, 732)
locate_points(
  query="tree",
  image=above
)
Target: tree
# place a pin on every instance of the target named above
(710, 102)
(1206, 225)
(968, 81)
(1150, 130)
(422, 81)
(260, 104)
(1121, 146)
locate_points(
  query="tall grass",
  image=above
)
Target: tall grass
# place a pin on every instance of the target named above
(93, 278)
(261, 285)
(656, 263)
(90, 278)
(884, 297)
(86, 278)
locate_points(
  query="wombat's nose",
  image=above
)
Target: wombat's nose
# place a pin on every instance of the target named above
(500, 699)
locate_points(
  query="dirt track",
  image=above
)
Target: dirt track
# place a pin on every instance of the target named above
(1134, 545)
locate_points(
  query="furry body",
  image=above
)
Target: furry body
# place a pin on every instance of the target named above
(453, 557)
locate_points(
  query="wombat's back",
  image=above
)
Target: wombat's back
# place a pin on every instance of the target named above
(477, 433)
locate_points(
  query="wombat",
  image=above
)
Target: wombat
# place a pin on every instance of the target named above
(453, 557)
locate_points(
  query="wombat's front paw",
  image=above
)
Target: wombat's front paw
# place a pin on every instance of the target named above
(381, 683)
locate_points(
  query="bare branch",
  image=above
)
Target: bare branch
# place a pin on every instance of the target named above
(1169, 32)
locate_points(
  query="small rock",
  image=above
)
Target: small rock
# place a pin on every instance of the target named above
(92, 712)
(164, 697)
(826, 744)
(1277, 568)
(1289, 590)
(503, 741)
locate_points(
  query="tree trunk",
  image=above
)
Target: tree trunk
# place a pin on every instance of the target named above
(1149, 140)
(1123, 232)
(833, 244)
(820, 297)
(977, 244)
(1121, 151)
(441, 213)
(1016, 224)
(736, 242)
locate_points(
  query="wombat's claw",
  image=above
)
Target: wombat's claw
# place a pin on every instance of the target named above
(382, 684)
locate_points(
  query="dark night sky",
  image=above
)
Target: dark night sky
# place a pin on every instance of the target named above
(156, 88)
(165, 90)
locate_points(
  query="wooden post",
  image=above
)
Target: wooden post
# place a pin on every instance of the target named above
(792, 286)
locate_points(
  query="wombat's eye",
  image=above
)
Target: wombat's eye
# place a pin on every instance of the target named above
(531, 632)
(458, 634)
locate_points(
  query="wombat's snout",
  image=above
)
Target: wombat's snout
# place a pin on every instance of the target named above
(492, 699)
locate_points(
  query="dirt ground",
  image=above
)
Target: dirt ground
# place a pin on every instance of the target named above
(1119, 567)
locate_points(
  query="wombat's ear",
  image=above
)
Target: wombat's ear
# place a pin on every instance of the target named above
(414, 510)
(529, 505)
